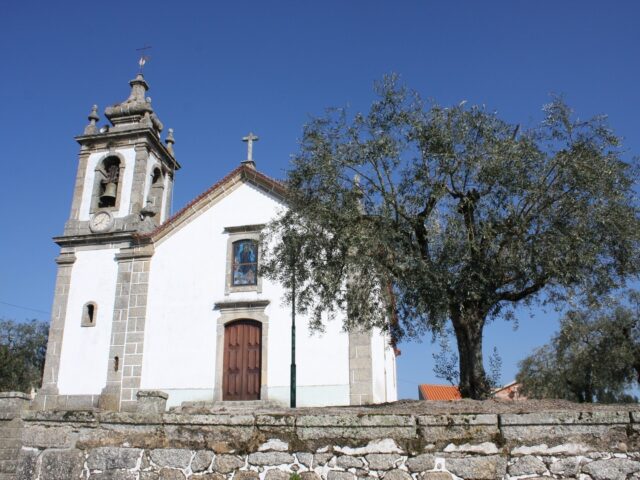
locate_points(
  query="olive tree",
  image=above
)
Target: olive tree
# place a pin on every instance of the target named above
(413, 215)
(595, 356)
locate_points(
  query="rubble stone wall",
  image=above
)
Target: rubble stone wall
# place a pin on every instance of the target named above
(335, 444)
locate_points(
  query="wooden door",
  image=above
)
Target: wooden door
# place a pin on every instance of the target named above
(242, 360)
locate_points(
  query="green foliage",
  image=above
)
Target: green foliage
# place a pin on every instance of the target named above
(412, 215)
(295, 476)
(595, 357)
(22, 352)
(445, 362)
(495, 369)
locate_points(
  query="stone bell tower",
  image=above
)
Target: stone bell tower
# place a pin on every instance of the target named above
(123, 188)
(125, 173)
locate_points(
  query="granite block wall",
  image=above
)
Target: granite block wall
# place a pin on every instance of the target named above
(322, 444)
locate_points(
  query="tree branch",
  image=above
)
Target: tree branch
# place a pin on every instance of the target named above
(525, 292)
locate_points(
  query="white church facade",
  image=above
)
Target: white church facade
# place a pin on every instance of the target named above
(146, 300)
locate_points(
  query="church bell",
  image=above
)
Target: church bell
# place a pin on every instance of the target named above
(109, 194)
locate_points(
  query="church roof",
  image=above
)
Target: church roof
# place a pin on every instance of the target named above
(244, 173)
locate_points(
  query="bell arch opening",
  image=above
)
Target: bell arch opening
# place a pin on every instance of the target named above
(107, 184)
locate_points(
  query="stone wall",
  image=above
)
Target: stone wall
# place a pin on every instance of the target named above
(12, 405)
(387, 443)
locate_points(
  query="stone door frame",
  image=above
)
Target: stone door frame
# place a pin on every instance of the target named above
(241, 310)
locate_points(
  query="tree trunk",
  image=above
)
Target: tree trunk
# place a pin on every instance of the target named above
(468, 325)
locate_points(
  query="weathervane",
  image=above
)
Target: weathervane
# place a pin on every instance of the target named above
(143, 56)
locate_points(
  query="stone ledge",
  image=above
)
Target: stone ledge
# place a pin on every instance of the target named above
(215, 419)
(20, 395)
(152, 394)
(275, 420)
(61, 416)
(343, 421)
(458, 420)
(365, 420)
(566, 418)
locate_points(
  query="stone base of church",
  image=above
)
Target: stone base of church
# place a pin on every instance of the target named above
(49, 400)
(110, 398)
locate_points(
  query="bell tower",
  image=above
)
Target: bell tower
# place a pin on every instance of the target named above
(125, 172)
(123, 188)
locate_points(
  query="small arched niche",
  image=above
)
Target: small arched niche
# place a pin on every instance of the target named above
(153, 204)
(157, 188)
(89, 314)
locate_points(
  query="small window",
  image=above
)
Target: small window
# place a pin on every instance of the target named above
(89, 313)
(245, 263)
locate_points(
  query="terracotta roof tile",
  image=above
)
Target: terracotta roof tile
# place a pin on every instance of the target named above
(438, 392)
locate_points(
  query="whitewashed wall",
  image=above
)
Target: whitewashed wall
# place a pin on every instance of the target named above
(85, 350)
(187, 278)
(384, 367)
(391, 374)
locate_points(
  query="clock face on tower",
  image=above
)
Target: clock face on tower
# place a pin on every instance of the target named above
(101, 222)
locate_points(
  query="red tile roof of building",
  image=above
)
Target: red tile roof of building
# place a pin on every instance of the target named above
(510, 391)
(438, 392)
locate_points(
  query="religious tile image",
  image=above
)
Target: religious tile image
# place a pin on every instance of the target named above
(245, 262)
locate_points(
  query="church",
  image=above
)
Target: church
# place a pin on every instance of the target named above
(150, 300)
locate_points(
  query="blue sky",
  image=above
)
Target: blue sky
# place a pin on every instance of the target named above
(221, 69)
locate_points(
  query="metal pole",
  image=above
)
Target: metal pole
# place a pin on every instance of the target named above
(293, 340)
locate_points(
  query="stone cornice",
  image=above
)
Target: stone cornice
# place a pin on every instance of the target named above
(104, 138)
(93, 239)
(241, 304)
(135, 252)
(66, 259)
(244, 228)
